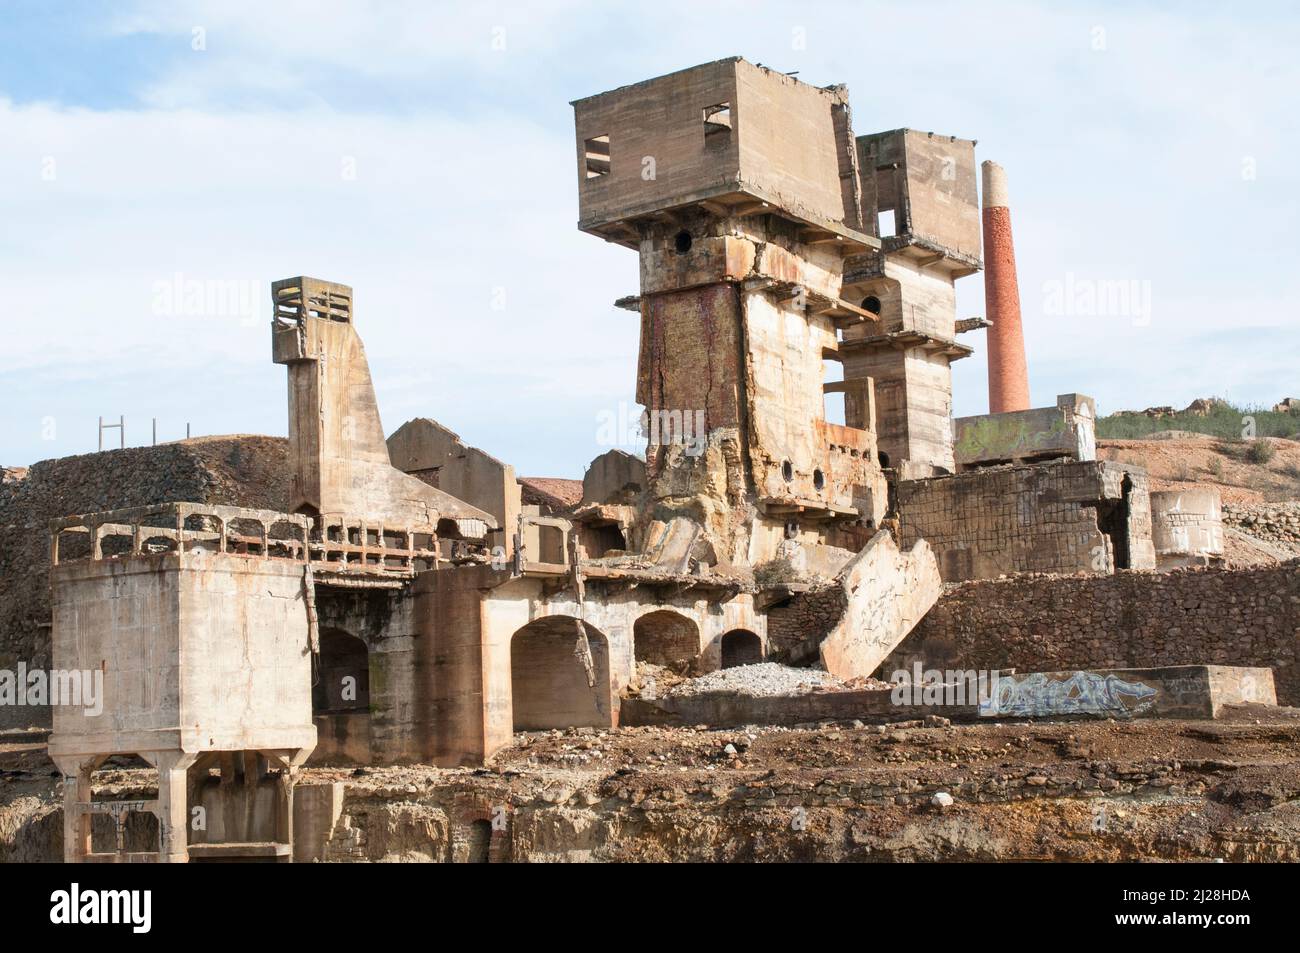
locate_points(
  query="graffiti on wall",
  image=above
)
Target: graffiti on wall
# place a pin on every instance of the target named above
(1045, 694)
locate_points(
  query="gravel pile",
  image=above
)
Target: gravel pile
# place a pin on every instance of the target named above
(765, 678)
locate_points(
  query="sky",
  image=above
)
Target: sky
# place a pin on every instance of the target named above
(162, 162)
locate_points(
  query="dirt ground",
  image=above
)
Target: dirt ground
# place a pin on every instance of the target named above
(1078, 790)
(1197, 461)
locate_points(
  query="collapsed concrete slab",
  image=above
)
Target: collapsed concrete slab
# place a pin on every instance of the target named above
(888, 592)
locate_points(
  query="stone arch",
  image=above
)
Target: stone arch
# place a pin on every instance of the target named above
(550, 686)
(665, 637)
(741, 647)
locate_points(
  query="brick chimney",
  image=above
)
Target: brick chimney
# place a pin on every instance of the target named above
(1008, 373)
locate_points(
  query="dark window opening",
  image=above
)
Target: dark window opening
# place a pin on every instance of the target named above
(884, 460)
(343, 682)
(871, 303)
(787, 471)
(683, 242)
(480, 842)
(741, 647)
(596, 153)
(819, 480)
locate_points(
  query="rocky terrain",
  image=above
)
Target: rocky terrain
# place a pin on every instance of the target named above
(1015, 791)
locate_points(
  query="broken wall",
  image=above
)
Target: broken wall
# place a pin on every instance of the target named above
(1057, 518)
(426, 449)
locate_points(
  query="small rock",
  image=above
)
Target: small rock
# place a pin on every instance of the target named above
(942, 801)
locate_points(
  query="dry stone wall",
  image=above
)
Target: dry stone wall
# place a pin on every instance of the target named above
(1273, 522)
(1036, 623)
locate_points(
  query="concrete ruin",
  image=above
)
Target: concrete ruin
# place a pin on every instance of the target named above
(419, 602)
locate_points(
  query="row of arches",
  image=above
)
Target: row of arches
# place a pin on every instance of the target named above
(560, 667)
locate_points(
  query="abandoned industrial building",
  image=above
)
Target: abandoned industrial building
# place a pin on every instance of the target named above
(417, 602)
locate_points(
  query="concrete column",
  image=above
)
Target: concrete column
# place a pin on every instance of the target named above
(173, 807)
(1008, 372)
(76, 824)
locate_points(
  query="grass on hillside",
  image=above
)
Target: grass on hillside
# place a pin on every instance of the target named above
(1226, 421)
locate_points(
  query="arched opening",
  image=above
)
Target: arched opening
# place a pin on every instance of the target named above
(480, 842)
(884, 459)
(683, 242)
(343, 682)
(559, 675)
(741, 647)
(665, 638)
(871, 303)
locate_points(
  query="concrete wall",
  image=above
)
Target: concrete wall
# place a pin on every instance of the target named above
(1186, 527)
(198, 652)
(615, 476)
(337, 449)
(1061, 518)
(1245, 617)
(928, 181)
(786, 144)
(428, 450)
(1066, 431)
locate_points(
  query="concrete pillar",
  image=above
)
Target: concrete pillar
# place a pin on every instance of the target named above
(76, 824)
(173, 808)
(1008, 372)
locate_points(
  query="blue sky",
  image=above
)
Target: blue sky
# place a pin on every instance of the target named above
(422, 153)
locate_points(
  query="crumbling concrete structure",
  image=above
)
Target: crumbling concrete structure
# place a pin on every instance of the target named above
(1067, 431)
(418, 601)
(1060, 518)
(922, 188)
(1187, 527)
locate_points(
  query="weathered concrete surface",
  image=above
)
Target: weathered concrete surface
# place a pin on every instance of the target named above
(336, 440)
(1188, 691)
(1067, 431)
(426, 449)
(888, 592)
(1187, 527)
(615, 476)
(1068, 517)
(198, 652)
(777, 140)
(1183, 691)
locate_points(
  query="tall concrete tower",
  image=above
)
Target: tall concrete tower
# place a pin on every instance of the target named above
(1008, 372)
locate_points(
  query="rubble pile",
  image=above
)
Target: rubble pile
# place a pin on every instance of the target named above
(760, 680)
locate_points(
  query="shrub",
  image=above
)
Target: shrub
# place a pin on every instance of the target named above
(1260, 451)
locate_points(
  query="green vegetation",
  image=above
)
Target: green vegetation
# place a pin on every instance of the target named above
(1260, 451)
(1224, 420)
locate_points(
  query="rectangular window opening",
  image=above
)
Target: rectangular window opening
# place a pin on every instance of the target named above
(717, 126)
(596, 152)
(886, 223)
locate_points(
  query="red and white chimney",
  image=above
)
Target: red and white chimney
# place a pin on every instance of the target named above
(1008, 372)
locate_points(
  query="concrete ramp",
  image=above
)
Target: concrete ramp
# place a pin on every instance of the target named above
(887, 592)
